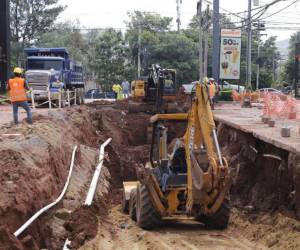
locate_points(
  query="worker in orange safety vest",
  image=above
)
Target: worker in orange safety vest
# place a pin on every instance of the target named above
(211, 89)
(17, 92)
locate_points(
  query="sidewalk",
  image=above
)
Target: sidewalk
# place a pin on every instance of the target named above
(248, 120)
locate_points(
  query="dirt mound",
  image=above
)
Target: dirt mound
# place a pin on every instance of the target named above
(82, 226)
(275, 230)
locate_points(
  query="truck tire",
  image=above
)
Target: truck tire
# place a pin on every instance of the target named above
(220, 219)
(125, 203)
(146, 216)
(132, 204)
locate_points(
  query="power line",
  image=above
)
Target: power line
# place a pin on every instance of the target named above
(263, 11)
(280, 10)
(232, 13)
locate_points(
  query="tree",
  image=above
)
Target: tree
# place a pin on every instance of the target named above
(108, 59)
(67, 35)
(289, 73)
(150, 25)
(176, 51)
(147, 21)
(29, 19)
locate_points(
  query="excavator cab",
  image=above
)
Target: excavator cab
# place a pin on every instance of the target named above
(159, 90)
(189, 179)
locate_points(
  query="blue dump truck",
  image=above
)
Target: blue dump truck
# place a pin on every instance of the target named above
(52, 70)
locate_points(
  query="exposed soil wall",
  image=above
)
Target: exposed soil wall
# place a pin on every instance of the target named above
(265, 189)
(33, 169)
(34, 165)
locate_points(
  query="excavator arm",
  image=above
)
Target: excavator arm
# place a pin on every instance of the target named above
(208, 179)
(208, 172)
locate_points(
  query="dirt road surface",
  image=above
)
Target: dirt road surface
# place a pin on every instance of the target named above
(172, 235)
(6, 115)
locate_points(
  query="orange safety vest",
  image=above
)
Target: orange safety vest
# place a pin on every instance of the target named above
(212, 90)
(17, 90)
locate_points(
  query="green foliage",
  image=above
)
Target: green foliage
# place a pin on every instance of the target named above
(66, 34)
(288, 73)
(176, 51)
(109, 57)
(147, 21)
(30, 19)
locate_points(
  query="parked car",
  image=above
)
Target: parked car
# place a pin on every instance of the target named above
(94, 94)
(227, 85)
(270, 90)
(110, 95)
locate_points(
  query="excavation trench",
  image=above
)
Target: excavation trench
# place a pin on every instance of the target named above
(34, 166)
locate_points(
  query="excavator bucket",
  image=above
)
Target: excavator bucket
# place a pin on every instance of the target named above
(128, 186)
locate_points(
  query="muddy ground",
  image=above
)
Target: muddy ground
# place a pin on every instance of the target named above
(34, 163)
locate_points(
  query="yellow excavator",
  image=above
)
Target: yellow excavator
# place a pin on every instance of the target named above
(191, 179)
(154, 93)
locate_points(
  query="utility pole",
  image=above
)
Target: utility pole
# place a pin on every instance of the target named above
(260, 27)
(199, 12)
(206, 29)
(216, 41)
(178, 20)
(274, 69)
(4, 43)
(258, 55)
(249, 30)
(139, 50)
(258, 63)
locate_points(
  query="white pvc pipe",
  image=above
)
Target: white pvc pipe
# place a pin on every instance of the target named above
(275, 157)
(67, 245)
(44, 209)
(93, 186)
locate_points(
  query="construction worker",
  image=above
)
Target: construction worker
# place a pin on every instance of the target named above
(125, 87)
(211, 90)
(117, 89)
(17, 91)
(212, 81)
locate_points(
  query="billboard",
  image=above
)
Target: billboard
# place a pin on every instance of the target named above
(230, 54)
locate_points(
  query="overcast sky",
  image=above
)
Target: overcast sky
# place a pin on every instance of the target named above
(112, 13)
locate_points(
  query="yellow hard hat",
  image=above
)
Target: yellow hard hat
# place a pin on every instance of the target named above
(205, 80)
(18, 70)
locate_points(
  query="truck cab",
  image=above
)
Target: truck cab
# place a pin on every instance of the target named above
(51, 69)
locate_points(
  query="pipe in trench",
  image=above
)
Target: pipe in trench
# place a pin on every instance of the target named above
(44, 209)
(93, 186)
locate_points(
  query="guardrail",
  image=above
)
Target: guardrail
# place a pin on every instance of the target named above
(64, 98)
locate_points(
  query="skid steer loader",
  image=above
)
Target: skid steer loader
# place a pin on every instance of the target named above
(191, 180)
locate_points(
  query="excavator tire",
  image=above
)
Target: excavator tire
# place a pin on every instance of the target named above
(125, 203)
(220, 219)
(146, 216)
(132, 204)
